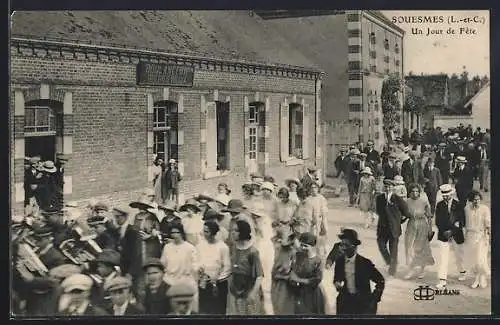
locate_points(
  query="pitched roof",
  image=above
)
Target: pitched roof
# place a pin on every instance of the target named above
(219, 34)
(473, 98)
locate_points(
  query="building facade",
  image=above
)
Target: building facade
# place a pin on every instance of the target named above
(375, 52)
(109, 109)
(357, 50)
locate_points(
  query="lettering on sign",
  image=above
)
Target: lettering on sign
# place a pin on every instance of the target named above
(162, 74)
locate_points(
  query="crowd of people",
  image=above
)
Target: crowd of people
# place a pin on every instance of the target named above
(214, 254)
(425, 182)
(263, 254)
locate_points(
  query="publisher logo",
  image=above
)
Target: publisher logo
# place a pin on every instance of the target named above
(426, 293)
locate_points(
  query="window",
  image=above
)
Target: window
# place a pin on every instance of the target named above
(397, 63)
(386, 70)
(354, 49)
(40, 120)
(373, 68)
(377, 135)
(376, 120)
(373, 54)
(295, 130)
(165, 130)
(354, 91)
(373, 40)
(386, 59)
(375, 106)
(396, 48)
(222, 111)
(386, 44)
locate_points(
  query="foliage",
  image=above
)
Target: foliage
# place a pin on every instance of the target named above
(390, 102)
(414, 104)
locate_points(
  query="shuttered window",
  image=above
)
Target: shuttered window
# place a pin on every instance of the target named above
(165, 130)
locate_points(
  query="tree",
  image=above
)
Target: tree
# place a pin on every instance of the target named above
(414, 104)
(391, 106)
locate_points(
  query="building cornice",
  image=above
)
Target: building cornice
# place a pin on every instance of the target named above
(77, 50)
(379, 18)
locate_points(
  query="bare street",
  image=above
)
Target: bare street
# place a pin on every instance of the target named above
(398, 297)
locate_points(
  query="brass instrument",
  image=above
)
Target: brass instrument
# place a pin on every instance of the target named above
(79, 252)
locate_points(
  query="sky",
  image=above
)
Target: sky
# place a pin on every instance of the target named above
(445, 53)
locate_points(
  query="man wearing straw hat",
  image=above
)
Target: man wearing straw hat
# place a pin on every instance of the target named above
(450, 220)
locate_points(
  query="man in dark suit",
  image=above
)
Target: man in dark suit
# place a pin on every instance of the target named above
(353, 175)
(412, 171)
(340, 162)
(463, 178)
(392, 211)
(432, 181)
(155, 300)
(353, 274)
(483, 166)
(390, 169)
(118, 290)
(450, 220)
(372, 155)
(130, 248)
(443, 162)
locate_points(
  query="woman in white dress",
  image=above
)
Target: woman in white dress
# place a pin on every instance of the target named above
(157, 171)
(180, 260)
(264, 244)
(478, 225)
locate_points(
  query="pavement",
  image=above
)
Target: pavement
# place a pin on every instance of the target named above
(398, 297)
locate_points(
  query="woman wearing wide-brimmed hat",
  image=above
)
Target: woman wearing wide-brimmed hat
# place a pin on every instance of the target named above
(169, 208)
(305, 278)
(366, 195)
(192, 221)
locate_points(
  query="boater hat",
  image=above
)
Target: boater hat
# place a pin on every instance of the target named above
(446, 189)
(461, 159)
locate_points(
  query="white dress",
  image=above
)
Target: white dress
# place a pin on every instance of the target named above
(264, 244)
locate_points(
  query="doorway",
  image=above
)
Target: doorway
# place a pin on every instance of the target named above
(42, 146)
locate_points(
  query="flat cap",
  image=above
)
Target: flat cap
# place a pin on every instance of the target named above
(181, 290)
(388, 181)
(117, 283)
(153, 261)
(101, 206)
(64, 271)
(77, 282)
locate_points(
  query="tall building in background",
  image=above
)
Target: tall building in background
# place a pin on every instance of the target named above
(357, 50)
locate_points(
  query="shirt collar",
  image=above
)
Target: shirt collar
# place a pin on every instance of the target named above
(351, 259)
(121, 309)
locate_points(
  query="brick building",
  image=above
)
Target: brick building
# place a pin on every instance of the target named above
(357, 49)
(223, 107)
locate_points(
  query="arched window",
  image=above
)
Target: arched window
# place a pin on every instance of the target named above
(165, 130)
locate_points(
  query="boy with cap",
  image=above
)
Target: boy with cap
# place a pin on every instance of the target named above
(353, 274)
(77, 289)
(155, 300)
(118, 290)
(181, 297)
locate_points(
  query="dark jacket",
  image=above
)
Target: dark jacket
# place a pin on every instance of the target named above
(432, 179)
(132, 309)
(52, 258)
(340, 163)
(442, 162)
(372, 156)
(130, 252)
(157, 303)
(391, 215)
(445, 221)
(171, 178)
(390, 172)
(365, 272)
(412, 172)
(464, 181)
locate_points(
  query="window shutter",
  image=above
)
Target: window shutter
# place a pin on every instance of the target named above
(211, 134)
(284, 132)
(305, 131)
(246, 130)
